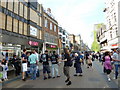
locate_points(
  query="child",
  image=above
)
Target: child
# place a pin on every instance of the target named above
(5, 69)
(90, 61)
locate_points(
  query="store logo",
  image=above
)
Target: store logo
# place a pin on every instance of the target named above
(52, 46)
(32, 43)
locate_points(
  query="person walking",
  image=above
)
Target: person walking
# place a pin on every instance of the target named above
(24, 64)
(16, 63)
(116, 59)
(90, 61)
(107, 64)
(4, 65)
(67, 64)
(33, 64)
(45, 58)
(54, 61)
(77, 65)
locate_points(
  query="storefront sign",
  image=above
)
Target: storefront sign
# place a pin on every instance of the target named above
(33, 31)
(51, 46)
(32, 43)
(115, 45)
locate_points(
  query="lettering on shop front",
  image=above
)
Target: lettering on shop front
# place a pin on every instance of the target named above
(32, 43)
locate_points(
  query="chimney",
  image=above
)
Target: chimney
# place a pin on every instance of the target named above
(49, 10)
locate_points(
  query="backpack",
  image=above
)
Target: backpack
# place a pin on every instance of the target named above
(43, 58)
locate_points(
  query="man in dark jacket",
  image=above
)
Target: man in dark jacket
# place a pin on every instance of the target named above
(16, 63)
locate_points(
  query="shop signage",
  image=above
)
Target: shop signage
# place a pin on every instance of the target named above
(32, 43)
(33, 31)
(51, 46)
(115, 45)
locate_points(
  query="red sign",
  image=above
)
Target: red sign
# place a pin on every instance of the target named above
(115, 45)
(32, 43)
(52, 46)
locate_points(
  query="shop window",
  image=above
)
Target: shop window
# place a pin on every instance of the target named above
(10, 5)
(25, 29)
(9, 23)
(21, 10)
(15, 25)
(3, 3)
(25, 12)
(2, 20)
(20, 27)
(16, 6)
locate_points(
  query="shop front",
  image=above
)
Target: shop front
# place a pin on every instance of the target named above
(51, 47)
(13, 43)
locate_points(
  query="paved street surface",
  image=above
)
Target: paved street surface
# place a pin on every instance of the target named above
(90, 79)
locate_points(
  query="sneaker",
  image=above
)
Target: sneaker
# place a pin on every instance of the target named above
(66, 80)
(45, 78)
(75, 74)
(80, 75)
(109, 79)
(53, 77)
(49, 77)
(24, 79)
(69, 83)
(58, 76)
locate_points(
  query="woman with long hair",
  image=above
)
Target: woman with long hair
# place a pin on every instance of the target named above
(107, 64)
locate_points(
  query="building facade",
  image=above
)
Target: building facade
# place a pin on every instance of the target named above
(19, 27)
(50, 28)
(112, 11)
(102, 36)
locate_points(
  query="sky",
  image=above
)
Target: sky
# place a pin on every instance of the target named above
(77, 16)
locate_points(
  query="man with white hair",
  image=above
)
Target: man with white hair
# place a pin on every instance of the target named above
(116, 59)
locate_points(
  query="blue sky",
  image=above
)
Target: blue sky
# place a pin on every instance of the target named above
(77, 16)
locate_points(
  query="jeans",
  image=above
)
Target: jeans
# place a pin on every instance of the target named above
(117, 67)
(55, 69)
(33, 71)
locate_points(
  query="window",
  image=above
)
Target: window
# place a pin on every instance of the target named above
(3, 3)
(46, 23)
(16, 7)
(20, 27)
(40, 35)
(33, 16)
(25, 29)
(55, 27)
(40, 21)
(10, 5)
(9, 23)
(2, 20)
(25, 12)
(111, 34)
(15, 26)
(21, 10)
(51, 26)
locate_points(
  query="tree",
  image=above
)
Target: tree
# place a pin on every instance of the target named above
(95, 45)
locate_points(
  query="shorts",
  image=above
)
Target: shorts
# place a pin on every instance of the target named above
(46, 68)
(24, 67)
(66, 71)
(108, 71)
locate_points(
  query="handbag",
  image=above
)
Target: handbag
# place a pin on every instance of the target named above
(81, 60)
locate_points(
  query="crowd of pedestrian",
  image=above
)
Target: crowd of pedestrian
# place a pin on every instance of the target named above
(29, 64)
